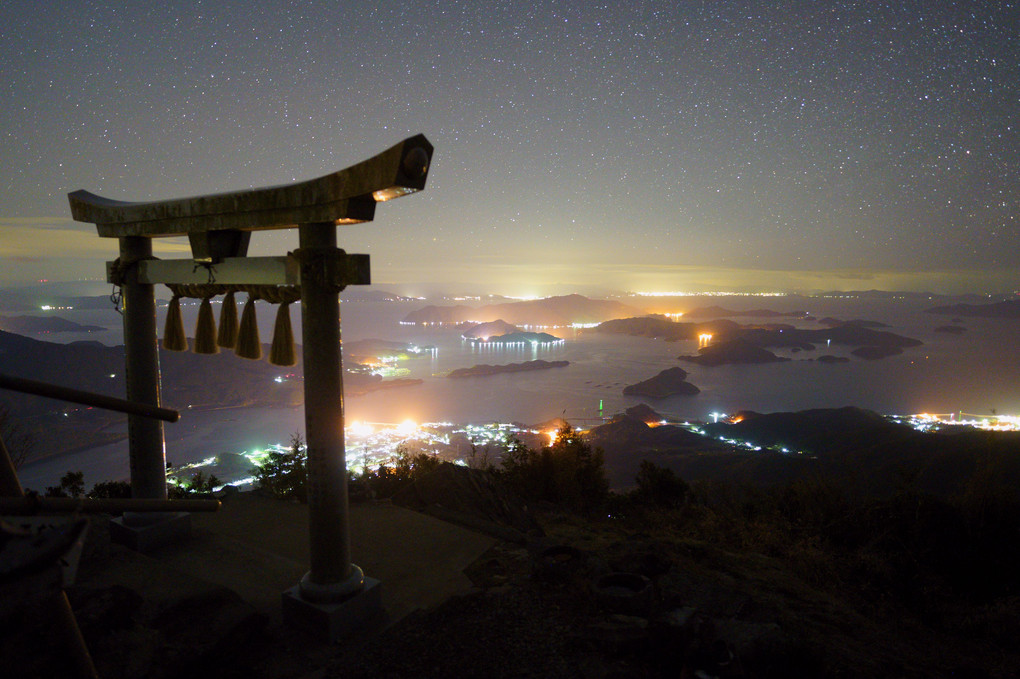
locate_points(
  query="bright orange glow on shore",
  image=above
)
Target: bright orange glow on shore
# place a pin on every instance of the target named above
(361, 428)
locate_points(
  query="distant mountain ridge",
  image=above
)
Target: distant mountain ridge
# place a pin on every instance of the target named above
(359, 294)
(1008, 309)
(722, 312)
(23, 325)
(550, 311)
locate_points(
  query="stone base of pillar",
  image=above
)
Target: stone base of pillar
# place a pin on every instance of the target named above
(149, 535)
(361, 611)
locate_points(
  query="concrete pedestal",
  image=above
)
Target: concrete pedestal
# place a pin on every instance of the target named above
(360, 611)
(145, 536)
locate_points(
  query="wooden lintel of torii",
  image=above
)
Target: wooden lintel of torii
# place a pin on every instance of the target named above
(219, 225)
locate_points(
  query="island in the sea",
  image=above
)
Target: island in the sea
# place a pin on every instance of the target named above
(359, 384)
(732, 351)
(669, 382)
(484, 369)
(374, 351)
(521, 339)
(863, 323)
(501, 333)
(483, 331)
(730, 342)
(829, 358)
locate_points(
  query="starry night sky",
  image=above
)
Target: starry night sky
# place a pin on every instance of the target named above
(649, 145)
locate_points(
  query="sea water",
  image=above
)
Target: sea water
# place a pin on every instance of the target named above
(975, 372)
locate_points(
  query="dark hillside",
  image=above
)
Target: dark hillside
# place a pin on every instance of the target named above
(856, 449)
(187, 380)
(816, 431)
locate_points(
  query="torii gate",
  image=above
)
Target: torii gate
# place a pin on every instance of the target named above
(219, 228)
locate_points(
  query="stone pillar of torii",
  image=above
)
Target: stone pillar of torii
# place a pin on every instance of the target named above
(334, 594)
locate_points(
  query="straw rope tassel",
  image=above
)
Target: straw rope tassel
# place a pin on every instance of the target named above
(282, 352)
(248, 343)
(227, 337)
(173, 332)
(205, 330)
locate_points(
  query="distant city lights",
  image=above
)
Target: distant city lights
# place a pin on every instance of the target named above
(370, 444)
(929, 422)
(361, 429)
(709, 293)
(524, 326)
(923, 422)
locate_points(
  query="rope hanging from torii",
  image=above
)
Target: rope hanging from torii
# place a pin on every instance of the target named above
(243, 337)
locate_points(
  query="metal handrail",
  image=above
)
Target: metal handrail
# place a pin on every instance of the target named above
(14, 501)
(87, 398)
(35, 504)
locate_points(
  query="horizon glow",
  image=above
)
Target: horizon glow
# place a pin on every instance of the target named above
(725, 146)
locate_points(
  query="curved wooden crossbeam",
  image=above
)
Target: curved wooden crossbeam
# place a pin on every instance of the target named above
(344, 196)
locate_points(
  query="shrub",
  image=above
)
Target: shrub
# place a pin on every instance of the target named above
(481, 458)
(568, 472)
(117, 490)
(199, 484)
(401, 471)
(285, 475)
(659, 486)
(72, 484)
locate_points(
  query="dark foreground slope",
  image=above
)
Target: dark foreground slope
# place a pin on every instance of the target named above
(711, 578)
